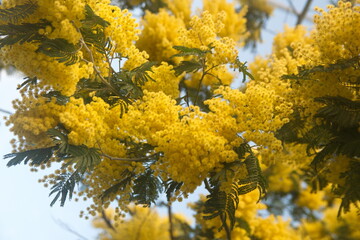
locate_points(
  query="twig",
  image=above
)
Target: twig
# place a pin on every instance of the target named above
(141, 159)
(227, 229)
(285, 8)
(303, 12)
(171, 224)
(63, 225)
(5, 111)
(291, 4)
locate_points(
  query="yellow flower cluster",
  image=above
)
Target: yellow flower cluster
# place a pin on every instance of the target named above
(163, 79)
(234, 22)
(33, 117)
(310, 199)
(160, 33)
(142, 223)
(332, 227)
(274, 228)
(65, 17)
(258, 113)
(180, 8)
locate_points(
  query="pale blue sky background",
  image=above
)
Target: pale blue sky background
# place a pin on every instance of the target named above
(25, 213)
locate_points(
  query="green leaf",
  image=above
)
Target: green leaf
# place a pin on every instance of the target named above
(255, 179)
(340, 111)
(36, 156)
(60, 99)
(222, 204)
(64, 187)
(126, 178)
(146, 188)
(84, 158)
(25, 32)
(241, 67)
(91, 19)
(141, 75)
(18, 12)
(28, 81)
(242, 223)
(187, 66)
(171, 187)
(61, 50)
(186, 51)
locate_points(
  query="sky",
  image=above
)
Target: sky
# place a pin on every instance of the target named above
(25, 211)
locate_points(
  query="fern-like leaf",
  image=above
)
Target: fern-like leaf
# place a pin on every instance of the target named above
(339, 111)
(25, 32)
(222, 204)
(64, 187)
(126, 178)
(91, 19)
(18, 12)
(146, 188)
(36, 156)
(186, 51)
(61, 50)
(255, 179)
(188, 66)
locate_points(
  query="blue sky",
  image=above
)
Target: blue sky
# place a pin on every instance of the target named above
(24, 203)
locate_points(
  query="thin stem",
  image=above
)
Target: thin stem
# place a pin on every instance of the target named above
(202, 78)
(5, 111)
(171, 225)
(141, 159)
(303, 13)
(227, 229)
(207, 186)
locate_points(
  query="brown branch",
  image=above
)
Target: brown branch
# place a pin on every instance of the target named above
(303, 13)
(5, 111)
(141, 159)
(227, 229)
(171, 224)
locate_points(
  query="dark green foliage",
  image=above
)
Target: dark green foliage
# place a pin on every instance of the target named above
(255, 179)
(25, 32)
(241, 67)
(36, 156)
(92, 20)
(124, 181)
(18, 12)
(185, 51)
(60, 99)
(64, 187)
(188, 66)
(242, 223)
(192, 65)
(224, 204)
(171, 187)
(146, 188)
(28, 81)
(351, 189)
(60, 49)
(341, 64)
(339, 111)
(92, 31)
(255, 21)
(82, 158)
(289, 132)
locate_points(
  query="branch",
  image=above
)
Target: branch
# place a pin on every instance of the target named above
(285, 8)
(5, 111)
(141, 159)
(171, 225)
(303, 12)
